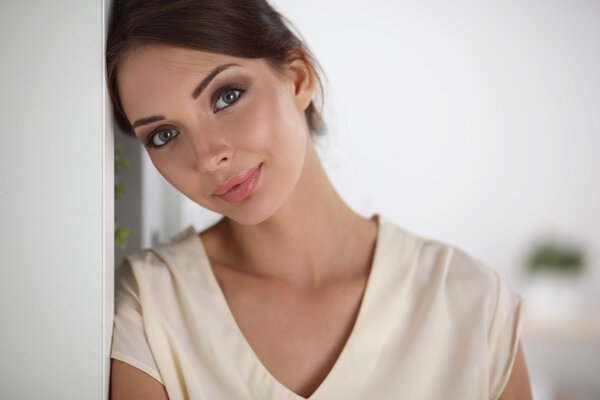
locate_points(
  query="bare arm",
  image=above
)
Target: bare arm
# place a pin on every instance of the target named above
(518, 387)
(130, 383)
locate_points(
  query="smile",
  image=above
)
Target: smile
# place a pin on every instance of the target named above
(240, 186)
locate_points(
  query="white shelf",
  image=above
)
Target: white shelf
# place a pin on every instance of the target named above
(578, 326)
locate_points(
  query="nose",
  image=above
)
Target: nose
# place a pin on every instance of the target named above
(211, 152)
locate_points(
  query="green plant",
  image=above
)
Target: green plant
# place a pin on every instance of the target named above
(551, 255)
(121, 234)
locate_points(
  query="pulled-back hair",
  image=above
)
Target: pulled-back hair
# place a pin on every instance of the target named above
(238, 28)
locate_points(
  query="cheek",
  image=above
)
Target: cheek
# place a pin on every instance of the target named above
(175, 170)
(178, 166)
(186, 179)
(272, 126)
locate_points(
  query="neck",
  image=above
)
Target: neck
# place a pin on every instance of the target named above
(310, 239)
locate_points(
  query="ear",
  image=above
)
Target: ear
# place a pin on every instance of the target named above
(302, 79)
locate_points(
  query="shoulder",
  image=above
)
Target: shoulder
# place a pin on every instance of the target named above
(444, 262)
(156, 265)
(440, 273)
(463, 297)
(162, 254)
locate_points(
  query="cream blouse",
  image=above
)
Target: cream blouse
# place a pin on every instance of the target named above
(434, 323)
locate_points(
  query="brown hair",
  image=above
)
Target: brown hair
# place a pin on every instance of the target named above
(239, 28)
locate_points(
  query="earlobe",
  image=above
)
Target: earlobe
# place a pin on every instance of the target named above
(303, 80)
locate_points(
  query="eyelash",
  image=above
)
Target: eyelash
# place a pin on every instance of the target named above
(235, 87)
(150, 140)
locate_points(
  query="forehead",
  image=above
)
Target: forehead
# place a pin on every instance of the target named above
(167, 71)
(176, 59)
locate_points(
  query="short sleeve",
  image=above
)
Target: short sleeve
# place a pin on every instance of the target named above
(130, 343)
(504, 334)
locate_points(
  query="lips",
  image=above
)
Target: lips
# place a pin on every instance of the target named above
(240, 186)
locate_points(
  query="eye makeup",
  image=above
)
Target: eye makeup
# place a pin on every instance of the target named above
(235, 86)
(169, 133)
(239, 88)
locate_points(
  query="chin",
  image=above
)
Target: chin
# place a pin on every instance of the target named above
(254, 212)
(247, 220)
(250, 216)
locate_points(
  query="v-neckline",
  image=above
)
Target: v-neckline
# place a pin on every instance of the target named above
(355, 340)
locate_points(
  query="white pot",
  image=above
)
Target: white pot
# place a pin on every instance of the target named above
(555, 294)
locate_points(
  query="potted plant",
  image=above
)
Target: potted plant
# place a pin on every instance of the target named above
(555, 270)
(121, 234)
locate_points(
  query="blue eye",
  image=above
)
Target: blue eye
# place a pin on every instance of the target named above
(161, 137)
(227, 98)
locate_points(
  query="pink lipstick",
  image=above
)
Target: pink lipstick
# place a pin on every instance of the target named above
(240, 186)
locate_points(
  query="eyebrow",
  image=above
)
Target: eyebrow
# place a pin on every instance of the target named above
(195, 94)
(198, 91)
(147, 120)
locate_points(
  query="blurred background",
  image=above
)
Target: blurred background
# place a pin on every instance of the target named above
(473, 123)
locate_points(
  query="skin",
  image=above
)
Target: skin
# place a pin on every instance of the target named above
(518, 386)
(292, 252)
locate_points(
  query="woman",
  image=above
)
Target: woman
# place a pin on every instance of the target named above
(292, 294)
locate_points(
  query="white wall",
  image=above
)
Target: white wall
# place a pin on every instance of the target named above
(55, 201)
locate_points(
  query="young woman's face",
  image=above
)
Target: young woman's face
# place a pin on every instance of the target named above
(227, 132)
